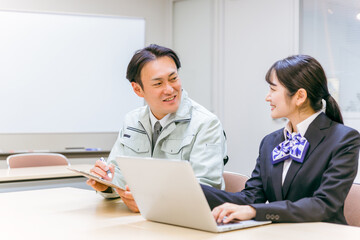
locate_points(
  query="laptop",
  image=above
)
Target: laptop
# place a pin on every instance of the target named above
(167, 191)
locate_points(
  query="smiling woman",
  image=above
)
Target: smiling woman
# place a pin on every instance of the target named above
(304, 170)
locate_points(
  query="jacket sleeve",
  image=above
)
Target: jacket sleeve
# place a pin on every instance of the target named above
(328, 200)
(253, 192)
(208, 152)
(118, 178)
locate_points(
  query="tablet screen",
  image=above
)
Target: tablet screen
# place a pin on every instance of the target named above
(94, 177)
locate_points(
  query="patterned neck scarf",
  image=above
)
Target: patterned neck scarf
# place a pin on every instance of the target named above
(295, 147)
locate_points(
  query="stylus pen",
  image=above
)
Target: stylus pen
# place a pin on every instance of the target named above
(108, 171)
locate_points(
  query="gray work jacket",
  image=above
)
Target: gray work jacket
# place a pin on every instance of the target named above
(192, 134)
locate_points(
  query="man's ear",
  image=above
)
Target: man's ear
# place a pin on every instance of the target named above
(137, 89)
(301, 97)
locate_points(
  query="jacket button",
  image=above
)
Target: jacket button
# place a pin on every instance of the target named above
(267, 216)
(277, 217)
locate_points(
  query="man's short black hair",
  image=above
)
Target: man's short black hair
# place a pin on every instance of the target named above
(145, 55)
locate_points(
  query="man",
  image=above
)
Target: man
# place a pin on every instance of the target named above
(171, 126)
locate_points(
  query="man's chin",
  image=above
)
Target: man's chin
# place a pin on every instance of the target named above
(173, 109)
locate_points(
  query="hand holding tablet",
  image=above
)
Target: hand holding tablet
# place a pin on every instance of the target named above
(94, 177)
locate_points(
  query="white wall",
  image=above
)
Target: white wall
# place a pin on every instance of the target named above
(256, 34)
(245, 37)
(193, 41)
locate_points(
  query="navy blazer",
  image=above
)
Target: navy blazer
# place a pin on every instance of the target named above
(314, 190)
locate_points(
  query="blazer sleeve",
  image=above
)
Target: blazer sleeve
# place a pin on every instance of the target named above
(253, 192)
(326, 203)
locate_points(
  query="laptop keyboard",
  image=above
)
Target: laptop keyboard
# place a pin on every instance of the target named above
(230, 223)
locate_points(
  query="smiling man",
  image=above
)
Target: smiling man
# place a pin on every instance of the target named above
(170, 126)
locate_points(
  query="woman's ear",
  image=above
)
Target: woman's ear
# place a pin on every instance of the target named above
(137, 89)
(301, 97)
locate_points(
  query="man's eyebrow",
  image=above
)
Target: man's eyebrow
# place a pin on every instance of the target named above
(173, 73)
(160, 78)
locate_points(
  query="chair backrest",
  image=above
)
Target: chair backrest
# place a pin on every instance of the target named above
(36, 160)
(234, 182)
(352, 206)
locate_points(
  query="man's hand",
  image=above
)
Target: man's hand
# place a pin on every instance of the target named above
(100, 169)
(128, 198)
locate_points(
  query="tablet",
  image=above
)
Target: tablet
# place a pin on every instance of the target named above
(94, 177)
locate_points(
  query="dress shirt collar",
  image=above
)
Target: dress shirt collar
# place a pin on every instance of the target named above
(163, 122)
(302, 126)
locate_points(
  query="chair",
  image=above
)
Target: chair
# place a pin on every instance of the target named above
(352, 206)
(36, 160)
(234, 182)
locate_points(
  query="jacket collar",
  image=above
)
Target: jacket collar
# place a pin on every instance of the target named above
(182, 114)
(184, 110)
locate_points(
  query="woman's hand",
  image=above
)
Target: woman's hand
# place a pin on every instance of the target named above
(231, 211)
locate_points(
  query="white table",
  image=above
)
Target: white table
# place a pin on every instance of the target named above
(69, 213)
(17, 179)
(34, 173)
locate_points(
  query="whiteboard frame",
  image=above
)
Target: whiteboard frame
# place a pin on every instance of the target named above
(58, 141)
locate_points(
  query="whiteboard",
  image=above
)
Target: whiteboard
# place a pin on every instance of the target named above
(62, 73)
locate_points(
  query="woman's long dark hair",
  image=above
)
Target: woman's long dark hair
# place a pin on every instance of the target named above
(302, 71)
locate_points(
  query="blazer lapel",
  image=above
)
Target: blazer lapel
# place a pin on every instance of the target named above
(314, 135)
(277, 170)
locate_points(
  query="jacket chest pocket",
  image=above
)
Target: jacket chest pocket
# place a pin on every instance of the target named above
(136, 145)
(176, 147)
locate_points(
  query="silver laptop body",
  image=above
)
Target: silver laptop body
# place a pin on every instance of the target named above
(167, 191)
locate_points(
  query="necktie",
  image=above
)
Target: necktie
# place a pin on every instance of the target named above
(295, 147)
(156, 133)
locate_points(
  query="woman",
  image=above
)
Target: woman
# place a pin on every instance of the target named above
(305, 170)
